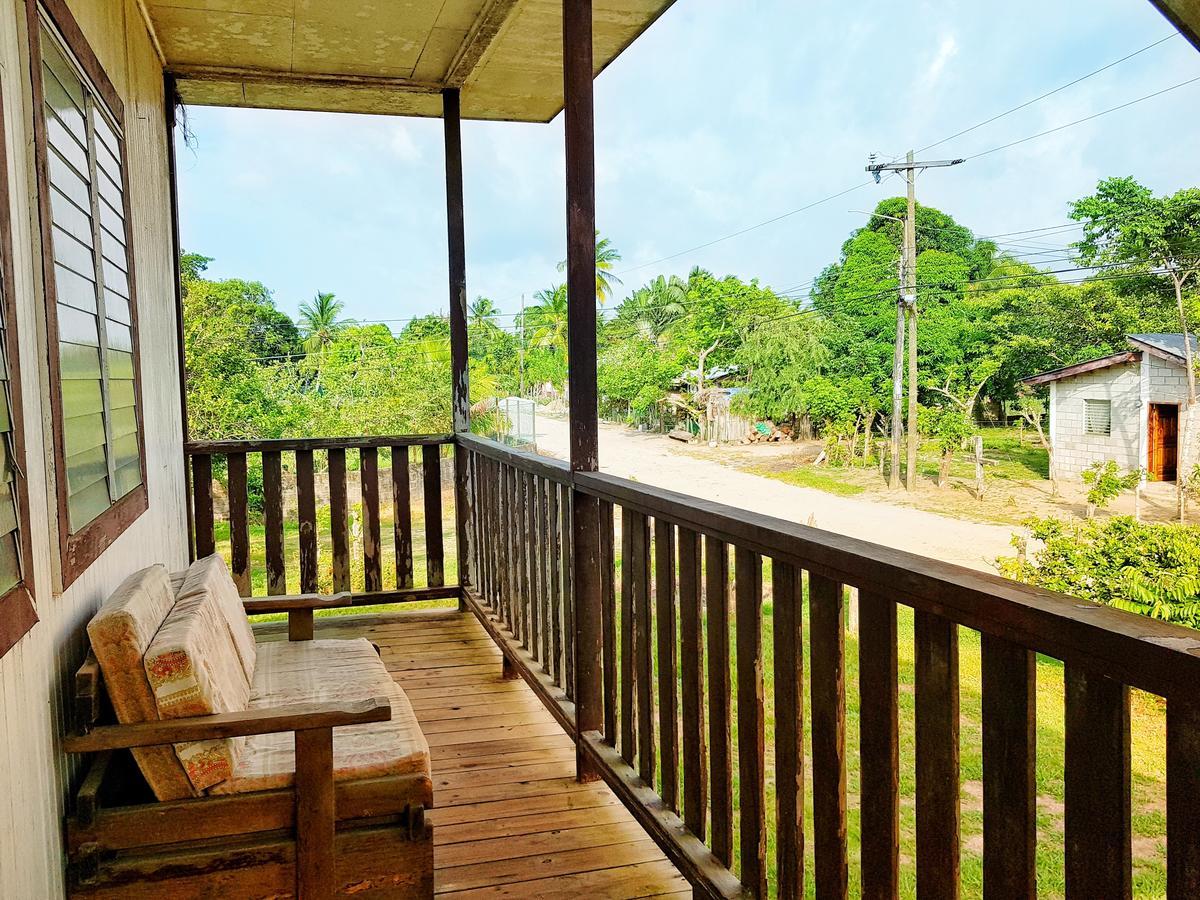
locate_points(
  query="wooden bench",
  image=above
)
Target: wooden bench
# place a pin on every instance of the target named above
(321, 836)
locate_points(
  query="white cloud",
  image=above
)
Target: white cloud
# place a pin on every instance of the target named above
(946, 51)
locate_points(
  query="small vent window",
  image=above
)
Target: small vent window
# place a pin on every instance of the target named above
(1097, 416)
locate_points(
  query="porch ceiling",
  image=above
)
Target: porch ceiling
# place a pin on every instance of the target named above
(383, 56)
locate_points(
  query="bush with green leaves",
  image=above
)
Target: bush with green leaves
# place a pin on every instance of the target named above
(1106, 482)
(950, 427)
(1147, 568)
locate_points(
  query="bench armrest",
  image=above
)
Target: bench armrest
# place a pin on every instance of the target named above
(296, 717)
(289, 602)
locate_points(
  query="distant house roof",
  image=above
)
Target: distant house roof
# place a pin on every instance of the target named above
(1164, 346)
(1117, 359)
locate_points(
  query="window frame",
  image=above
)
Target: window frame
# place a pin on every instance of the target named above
(1087, 406)
(18, 613)
(78, 550)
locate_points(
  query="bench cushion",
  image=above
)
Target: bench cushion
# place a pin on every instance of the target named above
(210, 575)
(120, 633)
(195, 670)
(314, 671)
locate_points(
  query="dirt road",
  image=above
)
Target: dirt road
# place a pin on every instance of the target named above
(655, 459)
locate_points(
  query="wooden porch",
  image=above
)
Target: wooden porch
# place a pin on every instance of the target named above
(510, 819)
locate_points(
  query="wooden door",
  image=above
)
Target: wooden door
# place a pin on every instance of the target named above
(1163, 440)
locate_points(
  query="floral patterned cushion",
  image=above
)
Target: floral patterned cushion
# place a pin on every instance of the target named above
(120, 633)
(211, 576)
(194, 669)
(315, 671)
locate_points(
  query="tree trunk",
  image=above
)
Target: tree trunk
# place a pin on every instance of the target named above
(944, 468)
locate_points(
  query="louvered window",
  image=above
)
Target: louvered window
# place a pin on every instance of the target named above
(17, 613)
(1097, 416)
(90, 291)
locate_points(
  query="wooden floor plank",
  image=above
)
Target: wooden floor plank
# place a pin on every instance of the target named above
(510, 820)
(627, 881)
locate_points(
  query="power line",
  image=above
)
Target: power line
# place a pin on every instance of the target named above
(1104, 112)
(1050, 93)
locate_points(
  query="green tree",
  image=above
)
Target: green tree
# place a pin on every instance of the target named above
(779, 360)
(607, 256)
(546, 320)
(1125, 225)
(320, 321)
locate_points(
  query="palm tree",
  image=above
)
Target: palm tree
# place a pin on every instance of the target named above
(547, 319)
(482, 313)
(606, 256)
(319, 322)
(654, 308)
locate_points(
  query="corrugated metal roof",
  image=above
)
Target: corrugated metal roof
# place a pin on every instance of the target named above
(1167, 343)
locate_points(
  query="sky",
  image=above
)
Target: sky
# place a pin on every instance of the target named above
(720, 117)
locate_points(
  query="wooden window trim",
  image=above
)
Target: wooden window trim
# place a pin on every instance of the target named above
(79, 550)
(17, 612)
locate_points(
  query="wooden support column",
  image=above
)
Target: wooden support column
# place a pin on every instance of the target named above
(581, 372)
(170, 96)
(456, 243)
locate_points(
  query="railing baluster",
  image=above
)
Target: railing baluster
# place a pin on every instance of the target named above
(1009, 785)
(339, 520)
(372, 558)
(504, 534)
(273, 522)
(751, 729)
(716, 601)
(691, 648)
(608, 612)
(1096, 796)
(306, 512)
(937, 714)
(879, 735)
(1183, 796)
(202, 502)
(521, 554)
(544, 565)
(668, 704)
(534, 532)
(554, 666)
(828, 687)
(643, 648)
(402, 516)
(788, 634)
(239, 524)
(435, 565)
(568, 589)
(625, 629)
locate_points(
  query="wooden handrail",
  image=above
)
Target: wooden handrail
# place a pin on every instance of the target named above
(192, 448)
(547, 467)
(271, 720)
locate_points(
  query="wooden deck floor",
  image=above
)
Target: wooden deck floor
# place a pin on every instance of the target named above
(510, 819)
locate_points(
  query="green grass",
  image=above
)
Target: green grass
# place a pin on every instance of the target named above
(1010, 456)
(832, 481)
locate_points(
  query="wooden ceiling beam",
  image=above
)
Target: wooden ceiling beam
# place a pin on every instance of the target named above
(303, 79)
(483, 31)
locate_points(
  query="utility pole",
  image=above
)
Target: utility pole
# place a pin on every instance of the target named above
(907, 310)
(521, 347)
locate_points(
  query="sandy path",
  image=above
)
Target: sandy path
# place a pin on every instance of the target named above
(654, 459)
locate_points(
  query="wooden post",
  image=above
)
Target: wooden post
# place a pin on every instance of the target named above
(581, 374)
(169, 97)
(456, 242)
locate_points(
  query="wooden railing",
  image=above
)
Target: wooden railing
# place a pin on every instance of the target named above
(682, 590)
(520, 535)
(320, 556)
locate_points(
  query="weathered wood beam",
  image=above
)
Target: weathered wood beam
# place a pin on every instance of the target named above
(581, 374)
(479, 38)
(459, 363)
(303, 79)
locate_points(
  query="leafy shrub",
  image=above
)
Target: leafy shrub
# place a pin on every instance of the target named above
(1106, 482)
(1152, 569)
